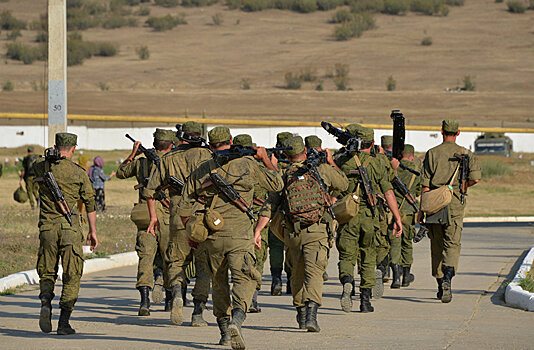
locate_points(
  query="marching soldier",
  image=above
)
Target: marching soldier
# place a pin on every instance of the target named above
(232, 246)
(440, 168)
(57, 236)
(28, 174)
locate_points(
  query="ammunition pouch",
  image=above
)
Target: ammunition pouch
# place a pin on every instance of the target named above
(140, 215)
(346, 208)
(441, 217)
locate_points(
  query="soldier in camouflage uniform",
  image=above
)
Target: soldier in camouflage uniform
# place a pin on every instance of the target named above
(58, 239)
(356, 239)
(445, 239)
(307, 242)
(401, 247)
(179, 163)
(28, 174)
(148, 245)
(232, 247)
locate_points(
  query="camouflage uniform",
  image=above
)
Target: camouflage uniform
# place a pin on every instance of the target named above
(29, 174)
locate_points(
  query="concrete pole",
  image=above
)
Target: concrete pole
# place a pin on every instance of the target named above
(57, 68)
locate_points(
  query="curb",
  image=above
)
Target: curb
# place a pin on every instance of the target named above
(514, 294)
(89, 266)
(476, 219)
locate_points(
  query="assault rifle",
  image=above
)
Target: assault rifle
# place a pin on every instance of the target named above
(150, 154)
(464, 174)
(423, 231)
(238, 151)
(399, 134)
(174, 183)
(367, 187)
(229, 191)
(351, 143)
(314, 158)
(404, 191)
(196, 141)
(52, 155)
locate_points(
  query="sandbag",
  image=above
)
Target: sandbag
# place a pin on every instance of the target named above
(20, 195)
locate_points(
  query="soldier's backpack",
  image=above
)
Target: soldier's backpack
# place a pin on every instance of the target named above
(305, 199)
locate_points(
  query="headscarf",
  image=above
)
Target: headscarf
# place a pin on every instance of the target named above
(97, 162)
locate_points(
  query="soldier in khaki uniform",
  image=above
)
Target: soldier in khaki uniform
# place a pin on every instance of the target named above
(232, 247)
(28, 174)
(307, 244)
(58, 239)
(401, 247)
(148, 245)
(356, 239)
(180, 163)
(439, 167)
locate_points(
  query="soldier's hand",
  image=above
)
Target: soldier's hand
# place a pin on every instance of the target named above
(152, 226)
(397, 227)
(274, 160)
(257, 239)
(395, 163)
(92, 240)
(192, 245)
(135, 149)
(261, 153)
(420, 217)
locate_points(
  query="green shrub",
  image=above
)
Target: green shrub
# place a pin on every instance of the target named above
(42, 37)
(426, 7)
(293, 81)
(494, 168)
(245, 84)
(14, 34)
(217, 19)
(167, 22)
(198, 3)
(25, 53)
(305, 6)
(233, 4)
(143, 52)
(41, 23)
(114, 21)
(516, 6)
(80, 19)
(359, 6)
(444, 10)
(499, 1)
(308, 74)
(395, 7)
(8, 86)
(469, 84)
(391, 83)
(341, 16)
(341, 70)
(105, 49)
(531, 5)
(342, 83)
(319, 86)
(143, 11)
(455, 2)
(8, 22)
(74, 4)
(282, 4)
(341, 76)
(427, 41)
(103, 86)
(256, 5)
(133, 2)
(167, 3)
(325, 5)
(360, 23)
(95, 8)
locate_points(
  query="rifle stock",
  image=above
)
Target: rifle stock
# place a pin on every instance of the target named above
(463, 174)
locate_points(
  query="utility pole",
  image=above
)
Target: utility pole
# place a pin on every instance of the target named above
(57, 68)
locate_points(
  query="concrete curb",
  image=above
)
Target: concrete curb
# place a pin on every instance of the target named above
(90, 266)
(514, 294)
(499, 219)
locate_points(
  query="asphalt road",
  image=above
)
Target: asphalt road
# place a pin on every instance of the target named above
(409, 318)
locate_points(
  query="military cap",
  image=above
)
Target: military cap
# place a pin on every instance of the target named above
(409, 148)
(30, 149)
(163, 135)
(243, 140)
(366, 134)
(386, 140)
(352, 128)
(312, 141)
(66, 139)
(219, 134)
(282, 136)
(192, 127)
(297, 145)
(449, 125)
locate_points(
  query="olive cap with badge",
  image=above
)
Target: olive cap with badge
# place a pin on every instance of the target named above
(365, 133)
(282, 136)
(386, 140)
(164, 135)
(219, 134)
(66, 139)
(243, 140)
(297, 146)
(313, 141)
(192, 126)
(449, 125)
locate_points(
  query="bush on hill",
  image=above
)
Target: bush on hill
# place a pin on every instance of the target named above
(9, 22)
(167, 22)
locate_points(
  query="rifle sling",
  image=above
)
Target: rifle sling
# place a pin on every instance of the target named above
(412, 180)
(359, 164)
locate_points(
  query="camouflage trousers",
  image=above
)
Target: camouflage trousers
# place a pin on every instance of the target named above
(60, 240)
(445, 245)
(32, 189)
(261, 254)
(382, 243)
(402, 247)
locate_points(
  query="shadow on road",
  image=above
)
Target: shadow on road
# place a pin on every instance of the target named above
(498, 297)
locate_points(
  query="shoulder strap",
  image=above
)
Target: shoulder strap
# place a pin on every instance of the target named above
(455, 173)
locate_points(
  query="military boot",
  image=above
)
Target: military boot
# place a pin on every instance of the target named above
(378, 289)
(63, 327)
(365, 300)
(45, 318)
(168, 300)
(254, 307)
(440, 288)
(346, 299)
(223, 322)
(276, 284)
(234, 328)
(396, 283)
(157, 292)
(184, 295)
(144, 308)
(177, 305)
(311, 317)
(353, 291)
(448, 274)
(407, 277)
(196, 318)
(301, 316)
(288, 284)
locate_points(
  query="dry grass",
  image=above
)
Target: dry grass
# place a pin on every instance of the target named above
(205, 64)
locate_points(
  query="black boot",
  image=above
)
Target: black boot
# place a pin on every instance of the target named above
(396, 283)
(276, 284)
(196, 318)
(311, 317)
(223, 328)
(234, 328)
(353, 291)
(168, 300)
(157, 291)
(288, 284)
(346, 295)
(365, 300)
(301, 317)
(177, 305)
(63, 327)
(144, 308)
(184, 294)
(407, 277)
(45, 318)
(440, 288)
(254, 307)
(448, 274)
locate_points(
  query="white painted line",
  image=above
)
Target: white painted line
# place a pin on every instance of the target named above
(514, 294)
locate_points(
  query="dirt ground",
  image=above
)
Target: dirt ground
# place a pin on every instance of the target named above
(200, 66)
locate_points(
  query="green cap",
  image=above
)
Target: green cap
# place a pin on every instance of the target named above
(386, 140)
(163, 135)
(282, 136)
(366, 134)
(192, 127)
(66, 139)
(409, 148)
(243, 140)
(312, 141)
(450, 125)
(30, 149)
(353, 128)
(219, 134)
(297, 145)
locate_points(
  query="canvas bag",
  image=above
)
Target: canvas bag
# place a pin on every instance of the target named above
(20, 195)
(277, 225)
(437, 199)
(140, 215)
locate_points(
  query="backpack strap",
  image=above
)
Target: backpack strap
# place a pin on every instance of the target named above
(412, 180)
(359, 164)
